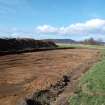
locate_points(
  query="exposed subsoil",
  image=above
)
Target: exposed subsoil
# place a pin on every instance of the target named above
(43, 78)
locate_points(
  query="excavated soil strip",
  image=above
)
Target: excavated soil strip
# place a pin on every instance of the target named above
(43, 78)
(59, 93)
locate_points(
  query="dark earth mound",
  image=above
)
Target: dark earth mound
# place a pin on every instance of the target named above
(20, 45)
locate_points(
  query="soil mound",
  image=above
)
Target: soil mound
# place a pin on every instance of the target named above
(16, 45)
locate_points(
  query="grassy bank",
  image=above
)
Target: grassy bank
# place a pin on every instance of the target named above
(91, 87)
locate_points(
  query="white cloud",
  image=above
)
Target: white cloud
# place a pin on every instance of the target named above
(46, 29)
(16, 33)
(94, 26)
(91, 28)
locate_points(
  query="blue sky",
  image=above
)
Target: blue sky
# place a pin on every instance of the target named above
(76, 19)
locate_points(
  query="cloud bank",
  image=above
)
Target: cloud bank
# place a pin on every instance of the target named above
(90, 27)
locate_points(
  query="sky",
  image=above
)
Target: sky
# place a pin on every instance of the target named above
(44, 19)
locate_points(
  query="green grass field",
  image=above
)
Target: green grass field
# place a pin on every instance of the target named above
(91, 87)
(80, 46)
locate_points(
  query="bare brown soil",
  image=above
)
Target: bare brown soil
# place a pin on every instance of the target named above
(21, 75)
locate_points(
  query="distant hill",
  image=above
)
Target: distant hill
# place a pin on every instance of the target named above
(70, 41)
(66, 41)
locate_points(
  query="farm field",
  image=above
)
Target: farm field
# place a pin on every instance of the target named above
(21, 75)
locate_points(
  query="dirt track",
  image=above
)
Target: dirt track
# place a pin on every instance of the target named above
(24, 74)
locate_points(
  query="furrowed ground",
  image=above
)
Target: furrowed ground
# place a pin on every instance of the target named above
(24, 74)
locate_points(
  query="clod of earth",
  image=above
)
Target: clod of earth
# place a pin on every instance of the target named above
(45, 97)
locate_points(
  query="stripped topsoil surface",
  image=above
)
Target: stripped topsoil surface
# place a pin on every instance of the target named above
(43, 78)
